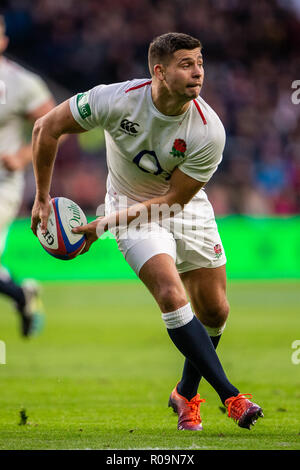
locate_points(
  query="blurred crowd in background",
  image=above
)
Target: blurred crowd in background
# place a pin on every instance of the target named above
(252, 57)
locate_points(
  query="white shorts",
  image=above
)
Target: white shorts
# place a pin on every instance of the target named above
(9, 207)
(191, 237)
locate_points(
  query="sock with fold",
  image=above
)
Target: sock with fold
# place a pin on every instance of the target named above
(191, 338)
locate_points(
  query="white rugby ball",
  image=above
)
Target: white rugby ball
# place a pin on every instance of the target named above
(59, 240)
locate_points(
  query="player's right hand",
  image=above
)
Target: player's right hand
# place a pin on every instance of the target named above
(40, 213)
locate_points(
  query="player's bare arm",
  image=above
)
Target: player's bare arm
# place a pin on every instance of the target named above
(182, 189)
(20, 159)
(46, 133)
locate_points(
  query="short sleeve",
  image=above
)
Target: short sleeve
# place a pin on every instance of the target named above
(93, 108)
(203, 162)
(34, 92)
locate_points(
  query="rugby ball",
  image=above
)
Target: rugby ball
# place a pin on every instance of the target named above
(59, 240)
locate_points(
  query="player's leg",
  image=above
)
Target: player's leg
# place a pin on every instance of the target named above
(27, 302)
(7, 286)
(206, 288)
(10, 289)
(201, 263)
(153, 259)
(188, 334)
(25, 296)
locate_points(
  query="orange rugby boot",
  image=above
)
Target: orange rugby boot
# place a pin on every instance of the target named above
(242, 410)
(188, 411)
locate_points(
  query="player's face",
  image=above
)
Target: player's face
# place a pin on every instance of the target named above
(184, 73)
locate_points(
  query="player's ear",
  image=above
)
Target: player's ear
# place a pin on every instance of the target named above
(159, 71)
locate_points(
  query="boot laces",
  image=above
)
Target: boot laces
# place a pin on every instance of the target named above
(239, 403)
(194, 407)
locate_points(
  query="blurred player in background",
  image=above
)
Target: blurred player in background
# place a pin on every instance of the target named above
(164, 143)
(24, 97)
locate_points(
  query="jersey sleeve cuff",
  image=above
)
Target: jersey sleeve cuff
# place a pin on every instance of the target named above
(195, 176)
(75, 113)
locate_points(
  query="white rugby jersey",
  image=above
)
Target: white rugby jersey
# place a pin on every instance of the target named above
(144, 146)
(20, 93)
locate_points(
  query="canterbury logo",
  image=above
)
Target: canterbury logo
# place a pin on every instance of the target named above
(129, 126)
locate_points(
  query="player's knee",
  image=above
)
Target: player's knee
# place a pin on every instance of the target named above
(170, 298)
(216, 315)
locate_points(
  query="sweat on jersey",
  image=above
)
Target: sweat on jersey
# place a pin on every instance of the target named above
(21, 92)
(144, 146)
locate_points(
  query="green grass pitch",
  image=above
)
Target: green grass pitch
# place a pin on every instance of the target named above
(100, 375)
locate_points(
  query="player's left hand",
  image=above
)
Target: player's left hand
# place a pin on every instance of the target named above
(40, 213)
(92, 231)
(12, 162)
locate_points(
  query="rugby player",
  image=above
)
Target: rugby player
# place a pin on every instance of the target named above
(23, 97)
(164, 143)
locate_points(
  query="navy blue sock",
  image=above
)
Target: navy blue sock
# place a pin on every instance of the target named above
(193, 342)
(189, 383)
(11, 289)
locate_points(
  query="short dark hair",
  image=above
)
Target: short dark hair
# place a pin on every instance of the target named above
(162, 47)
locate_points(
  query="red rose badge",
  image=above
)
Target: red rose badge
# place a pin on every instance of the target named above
(179, 148)
(218, 250)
